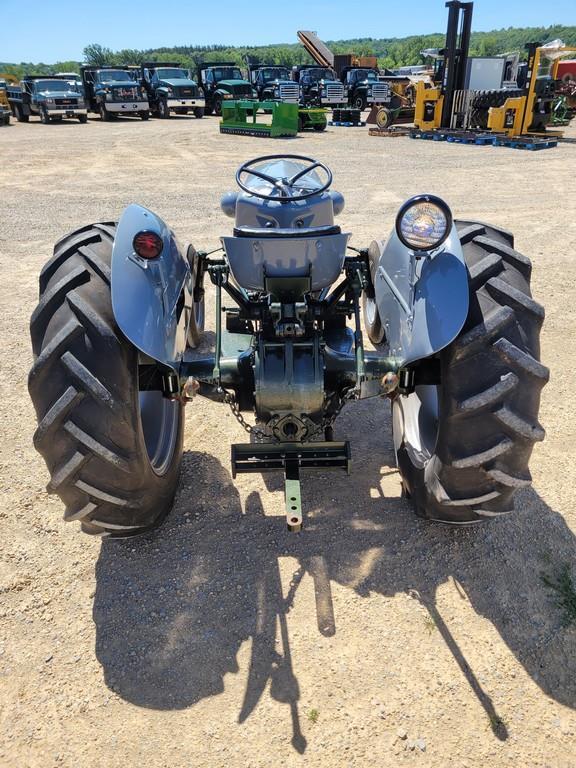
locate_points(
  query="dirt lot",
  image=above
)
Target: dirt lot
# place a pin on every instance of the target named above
(371, 639)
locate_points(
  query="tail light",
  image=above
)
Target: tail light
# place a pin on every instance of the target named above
(148, 245)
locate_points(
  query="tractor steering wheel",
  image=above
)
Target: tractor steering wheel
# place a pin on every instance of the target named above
(283, 189)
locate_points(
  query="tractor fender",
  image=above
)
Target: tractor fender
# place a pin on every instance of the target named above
(151, 298)
(422, 302)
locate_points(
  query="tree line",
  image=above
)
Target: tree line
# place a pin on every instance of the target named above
(391, 52)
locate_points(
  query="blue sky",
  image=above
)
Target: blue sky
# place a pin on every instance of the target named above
(59, 29)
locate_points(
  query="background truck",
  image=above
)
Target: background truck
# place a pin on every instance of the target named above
(319, 86)
(363, 87)
(223, 81)
(273, 83)
(112, 91)
(49, 97)
(170, 88)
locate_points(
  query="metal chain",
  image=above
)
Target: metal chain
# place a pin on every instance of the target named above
(326, 422)
(231, 400)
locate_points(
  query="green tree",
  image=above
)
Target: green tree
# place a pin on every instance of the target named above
(96, 55)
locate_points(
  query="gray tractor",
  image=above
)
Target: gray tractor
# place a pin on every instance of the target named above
(446, 305)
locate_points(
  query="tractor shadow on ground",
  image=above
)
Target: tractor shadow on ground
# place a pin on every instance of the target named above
(173, 608)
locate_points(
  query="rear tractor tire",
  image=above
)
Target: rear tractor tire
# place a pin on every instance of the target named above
(463, 446)
(112, 448)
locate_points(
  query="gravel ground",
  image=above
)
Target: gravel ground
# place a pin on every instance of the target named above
(371, 639)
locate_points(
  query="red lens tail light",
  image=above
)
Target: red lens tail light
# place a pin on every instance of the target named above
(148, 245)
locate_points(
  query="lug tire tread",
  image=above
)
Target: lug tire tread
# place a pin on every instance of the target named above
(83, 387)
(490, 392)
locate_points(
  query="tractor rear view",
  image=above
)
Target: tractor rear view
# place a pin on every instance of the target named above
(446, 303)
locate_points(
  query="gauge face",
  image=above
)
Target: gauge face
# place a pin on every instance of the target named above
(423, 225)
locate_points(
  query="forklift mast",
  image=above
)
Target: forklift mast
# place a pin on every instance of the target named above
(455, 54)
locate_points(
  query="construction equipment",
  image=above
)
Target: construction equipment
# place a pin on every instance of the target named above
(6, 80)
(473, 94)
(240, 117)
(446, 303)
(533, 110)
(4, 103)
(364, 85)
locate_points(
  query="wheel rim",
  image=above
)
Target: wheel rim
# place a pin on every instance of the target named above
(199, 312)
(159, 418)
(415, 420)
(370, 310)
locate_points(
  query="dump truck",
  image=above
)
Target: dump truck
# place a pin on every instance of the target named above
(223, 81)
(319, 86)
(364, 88)
(274, 83)
(171, 89)
(49, 97)
(112, 91)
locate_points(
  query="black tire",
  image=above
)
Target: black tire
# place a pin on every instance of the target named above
(82, 118)
(20, 116)
(163, 109)
(145, 115)
(359, 102)
(319, 127)
(218, 106)
(370, 314)
(384, 118)
(198, 314)
(44, 118)
(199, 113)
(104, 114)
(463, 447)
(93, 422)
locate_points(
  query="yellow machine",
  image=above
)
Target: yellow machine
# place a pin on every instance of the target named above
(428, 108)
(6, 79)
(518, 116)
